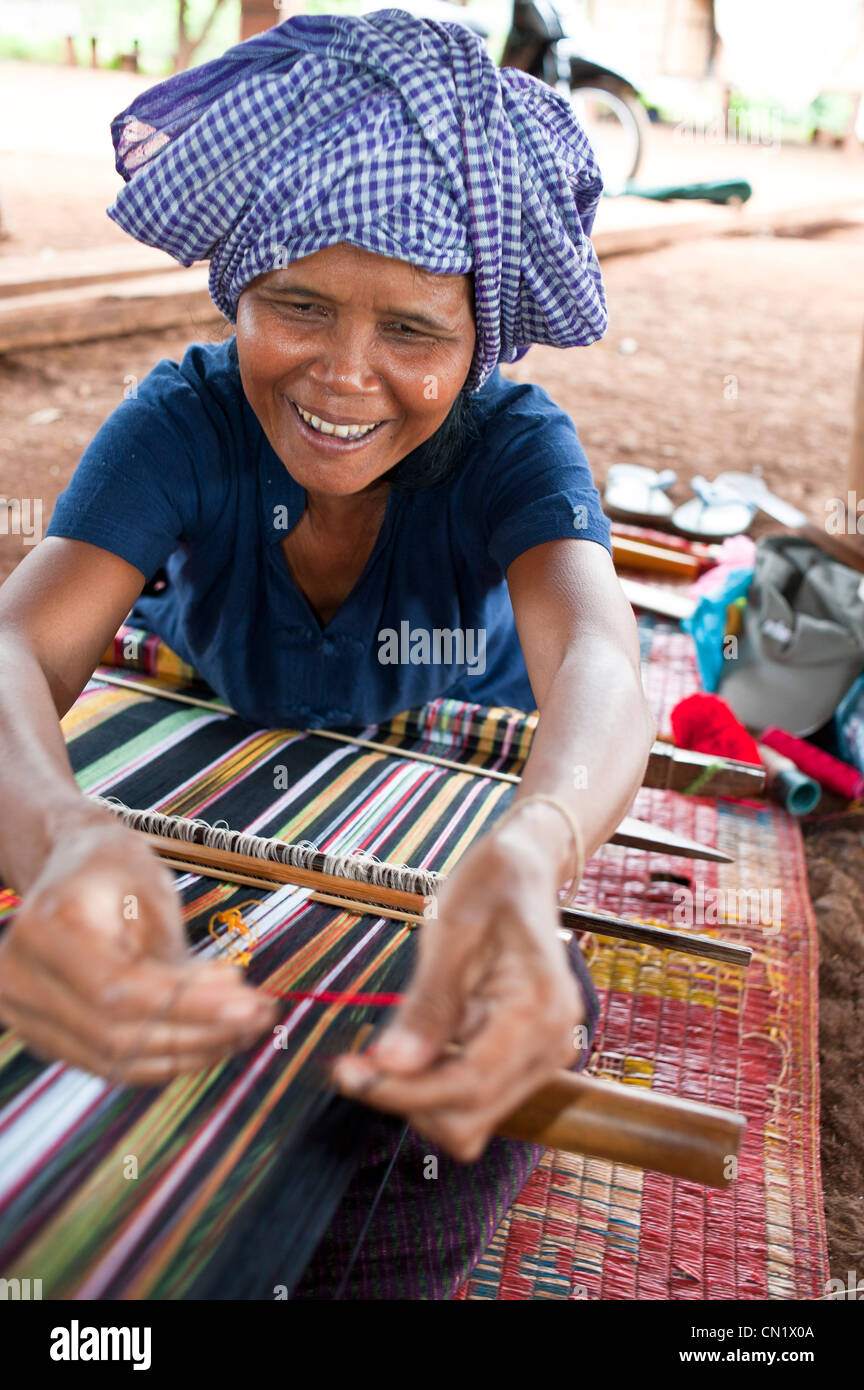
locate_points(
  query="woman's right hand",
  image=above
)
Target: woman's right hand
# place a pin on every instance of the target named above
(94, 968)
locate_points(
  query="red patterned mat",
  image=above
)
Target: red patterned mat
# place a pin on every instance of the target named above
(587, 1229)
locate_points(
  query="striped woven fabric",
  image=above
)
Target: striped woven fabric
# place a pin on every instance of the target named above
(138, 650)
(117, 1192)
(447, 728)
(213, 1151)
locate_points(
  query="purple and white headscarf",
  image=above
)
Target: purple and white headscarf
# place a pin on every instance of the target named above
(394, 133)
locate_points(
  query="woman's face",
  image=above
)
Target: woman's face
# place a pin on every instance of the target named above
(354, 339)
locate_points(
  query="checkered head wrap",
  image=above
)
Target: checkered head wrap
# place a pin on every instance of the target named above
(394, 133)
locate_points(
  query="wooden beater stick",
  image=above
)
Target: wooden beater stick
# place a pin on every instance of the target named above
(629, 1124)
(624, 1124)
(328, 899)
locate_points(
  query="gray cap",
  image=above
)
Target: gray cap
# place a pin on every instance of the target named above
(802, 640)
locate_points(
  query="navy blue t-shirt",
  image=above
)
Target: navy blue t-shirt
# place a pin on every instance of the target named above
(182, 475)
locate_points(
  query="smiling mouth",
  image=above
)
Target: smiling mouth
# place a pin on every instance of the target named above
(326, 429)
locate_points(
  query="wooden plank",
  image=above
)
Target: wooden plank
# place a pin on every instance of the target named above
(641, 555)
(628, 1124)
(676, 769)
(643, 834)
(72, 269)
(107, 311)
(669, 602)
(669, 229)
(666, 224)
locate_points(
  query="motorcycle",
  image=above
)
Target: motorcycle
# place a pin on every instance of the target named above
(605, 101)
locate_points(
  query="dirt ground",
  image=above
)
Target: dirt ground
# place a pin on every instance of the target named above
(721, 354)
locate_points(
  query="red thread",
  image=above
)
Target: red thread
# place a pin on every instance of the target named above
(331, 996)
(706, 724)
(829, 772)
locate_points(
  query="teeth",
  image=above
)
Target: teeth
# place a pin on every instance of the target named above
(342, 431)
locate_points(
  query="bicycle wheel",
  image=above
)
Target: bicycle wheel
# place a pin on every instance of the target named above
(615, 128)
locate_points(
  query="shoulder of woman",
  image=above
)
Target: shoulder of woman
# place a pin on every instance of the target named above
(525, 477)
(159, 469)
(203, 389)
(517, 425)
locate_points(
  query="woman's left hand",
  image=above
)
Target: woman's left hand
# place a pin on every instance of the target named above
(492, 976)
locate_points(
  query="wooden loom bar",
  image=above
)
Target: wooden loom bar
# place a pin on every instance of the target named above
(328, 899)
(675, 769)
(628, 553)
(664, 938)
(354, 894)
(640, 834)
(206, 857)
(668, 767)
(630, 1124)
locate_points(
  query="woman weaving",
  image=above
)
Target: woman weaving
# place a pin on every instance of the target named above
(387, 217)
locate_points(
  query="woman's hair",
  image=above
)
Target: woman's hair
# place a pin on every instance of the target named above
(439, 457)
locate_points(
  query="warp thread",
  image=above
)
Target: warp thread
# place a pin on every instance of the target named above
(335, 996)
(232, 918)
(355, 865)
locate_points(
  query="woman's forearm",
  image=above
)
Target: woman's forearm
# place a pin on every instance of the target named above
(38, 793)
(591, 746)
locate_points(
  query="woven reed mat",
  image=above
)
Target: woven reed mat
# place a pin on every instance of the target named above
(586, 1229)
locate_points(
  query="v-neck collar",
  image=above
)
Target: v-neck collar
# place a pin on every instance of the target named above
(280, 491)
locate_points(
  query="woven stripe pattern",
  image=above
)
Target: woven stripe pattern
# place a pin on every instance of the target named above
(581, 1228)
(201, 1213)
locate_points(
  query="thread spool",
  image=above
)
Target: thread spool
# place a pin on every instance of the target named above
(787, 784)
(832, 774)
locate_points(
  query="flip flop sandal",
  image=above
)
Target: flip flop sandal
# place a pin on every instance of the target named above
(755, 489)
(748, 486)
(635, 493)
(713, 514)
